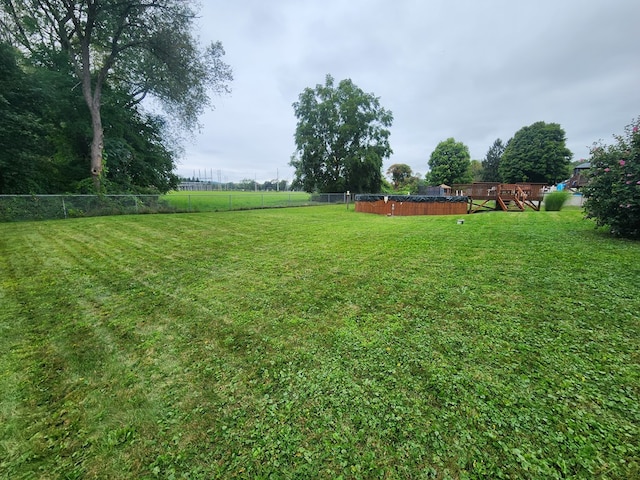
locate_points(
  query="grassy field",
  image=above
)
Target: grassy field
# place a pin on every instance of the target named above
(319, 343)
(211, 201)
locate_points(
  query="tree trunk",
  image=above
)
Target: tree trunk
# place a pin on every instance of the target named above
(97, 143)
(93, 96)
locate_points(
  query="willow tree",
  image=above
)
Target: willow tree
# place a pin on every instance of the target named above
(144, 46)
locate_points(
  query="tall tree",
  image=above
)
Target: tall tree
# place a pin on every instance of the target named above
(23, 134)
(341, 138)
(491, 162)
(45, 134)
(450, 163)
(139, 158)
(476, 170)
(400, 173)
(144, 46)
(538, 154)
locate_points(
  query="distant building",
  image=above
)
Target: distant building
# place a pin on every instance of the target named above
(439, 191)
(579, 178)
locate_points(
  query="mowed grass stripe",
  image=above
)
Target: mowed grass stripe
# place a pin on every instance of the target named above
(318, 342)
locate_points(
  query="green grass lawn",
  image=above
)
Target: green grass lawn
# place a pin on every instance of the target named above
(209, 201)
(319, 343)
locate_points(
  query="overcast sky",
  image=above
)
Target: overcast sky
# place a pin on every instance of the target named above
(468, 69)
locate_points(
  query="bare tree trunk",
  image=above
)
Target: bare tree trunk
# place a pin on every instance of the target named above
(97, 143)
(93, 98)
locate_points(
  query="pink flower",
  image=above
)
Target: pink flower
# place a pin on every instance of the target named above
(638, 182)
(622, 162)
(628, 183)
(635, 129)
(607, 169)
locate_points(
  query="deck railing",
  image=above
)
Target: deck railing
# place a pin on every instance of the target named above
(490, 191)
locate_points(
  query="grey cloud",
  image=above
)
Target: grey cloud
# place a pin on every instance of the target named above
(472, 70)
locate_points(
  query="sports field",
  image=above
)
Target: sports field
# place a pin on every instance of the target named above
(212, 201)
(319, 343)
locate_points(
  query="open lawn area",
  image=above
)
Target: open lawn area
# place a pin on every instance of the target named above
(318, 342)
(211, 201)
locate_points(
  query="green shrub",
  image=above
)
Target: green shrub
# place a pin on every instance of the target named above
(554, 201)
(613, 192)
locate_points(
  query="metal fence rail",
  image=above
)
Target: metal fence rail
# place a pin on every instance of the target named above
(47, 207)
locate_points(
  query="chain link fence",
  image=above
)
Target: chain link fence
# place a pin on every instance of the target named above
(48, 207)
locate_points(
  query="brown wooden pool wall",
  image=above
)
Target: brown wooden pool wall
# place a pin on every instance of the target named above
(404, 207)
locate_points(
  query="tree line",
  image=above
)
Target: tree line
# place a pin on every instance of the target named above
(536, 154)
(342, 139)
(246, 184)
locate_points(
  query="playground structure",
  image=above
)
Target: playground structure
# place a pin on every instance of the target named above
(509, 197)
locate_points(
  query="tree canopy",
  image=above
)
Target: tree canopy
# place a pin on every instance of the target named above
(143, 47)
(341, 138)
(23, 131)
(400, 174)
(45, 133)
(476, 170)
(491, 162)
(536, 153)
(449, 163)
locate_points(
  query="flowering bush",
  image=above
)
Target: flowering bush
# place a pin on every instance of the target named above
(613, 192)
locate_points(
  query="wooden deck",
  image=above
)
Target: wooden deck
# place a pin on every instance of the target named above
(501, 196)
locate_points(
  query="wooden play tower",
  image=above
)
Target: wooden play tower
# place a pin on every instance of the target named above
(510, 197)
